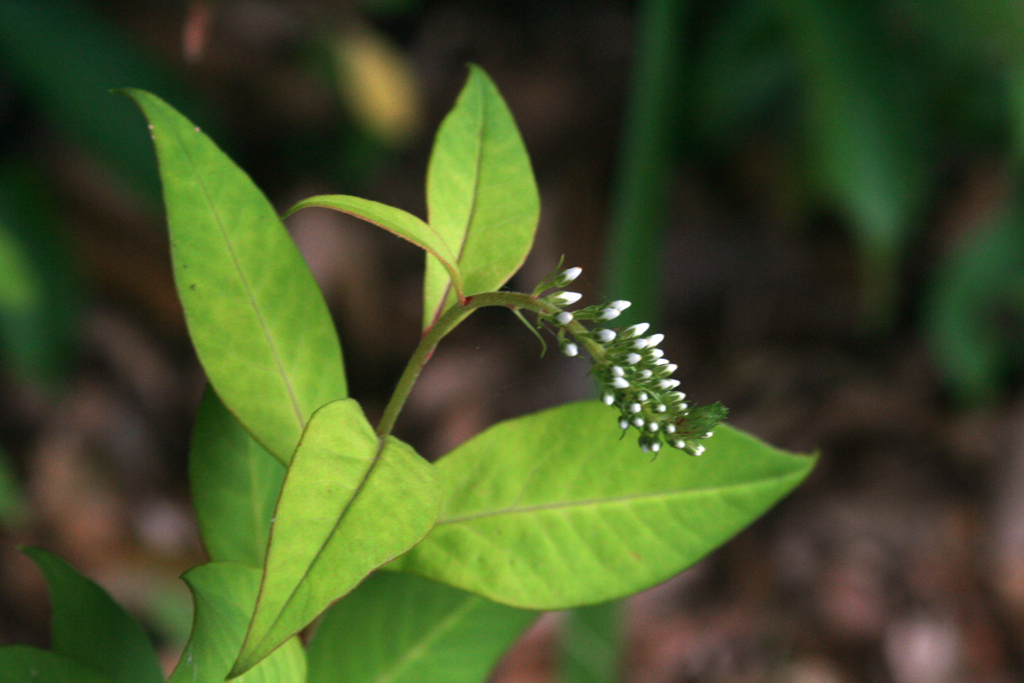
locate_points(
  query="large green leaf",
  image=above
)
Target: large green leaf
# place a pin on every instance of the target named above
(399, 628)
(225, 595)
(256, 317)
(350, 503)
(554, 510)
(24, 664)
(401, 223)
(235, 484)
(481, 196)
(88, 626)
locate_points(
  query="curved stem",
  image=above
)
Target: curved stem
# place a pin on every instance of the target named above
(445, 324)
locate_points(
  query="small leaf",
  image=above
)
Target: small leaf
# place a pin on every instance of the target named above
(377, 82)
(24, 664)
(13, 506)
(400, 628)
(19, 284)
(235, 484)
(38, 296)
(975, 289)
(350, 503)
(87, 625)
(225, 595)
(481, 196)
(396, 221)
(257, 319)
(553, 510)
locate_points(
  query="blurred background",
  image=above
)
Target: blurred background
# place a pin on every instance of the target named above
(817, 201)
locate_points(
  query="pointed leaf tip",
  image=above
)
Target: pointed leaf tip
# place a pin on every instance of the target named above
(257, 319)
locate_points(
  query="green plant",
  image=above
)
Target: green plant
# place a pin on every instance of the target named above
(300, 499)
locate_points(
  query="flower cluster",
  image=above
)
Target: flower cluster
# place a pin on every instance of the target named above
(633, 374)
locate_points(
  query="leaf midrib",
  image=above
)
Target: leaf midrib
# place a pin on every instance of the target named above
(264, 328)
(472, 206)
(419, 647)
(381, 445)
(542, 507)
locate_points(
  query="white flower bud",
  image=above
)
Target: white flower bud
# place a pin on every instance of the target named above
(655, 353)
(698, 450)
(655, 447)
(623, 424)
(570, 349)
(620, 383)
(620, 305)
(676, 397)
(707, 436)
(642, 396)
(652, 426)
(666, 384)
(567, 276)
(654, 340)
(661, 361)
(638, 422)
(635, 408)
(563, 318)
(634, 330)
(660, 408)
(565, 298)
(639, 344)
(671, 367)
(608, 399)
(670, 428)
(644, 374)
(633, 358)
(609, 314)
(616, 371)
(645, 448)
(678, 443)
(604, 336)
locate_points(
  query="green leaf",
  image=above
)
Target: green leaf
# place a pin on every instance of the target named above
(350, 503)
(553, 510)
(38, 297)
(481, 196)
(259, 324)
(866, 138)
(225, 595)
(396, 221)
(592, 644)
(24, 664)
(88, 626)
(974, 290)
(13, 507)
(399, 628)
(19, 285)
(235, 484)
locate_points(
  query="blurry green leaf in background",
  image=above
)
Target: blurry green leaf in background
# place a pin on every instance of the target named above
(13, 507)
(66, 59)
(974, 318)
(38, 292)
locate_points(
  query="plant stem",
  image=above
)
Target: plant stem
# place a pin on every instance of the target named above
(445, 324)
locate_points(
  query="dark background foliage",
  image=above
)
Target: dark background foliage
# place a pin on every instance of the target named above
(817, 202)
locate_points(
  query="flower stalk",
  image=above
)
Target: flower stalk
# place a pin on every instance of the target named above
(630, 368)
